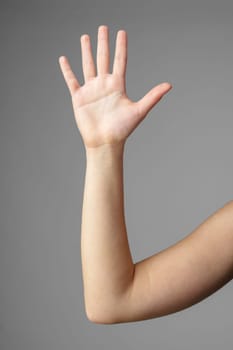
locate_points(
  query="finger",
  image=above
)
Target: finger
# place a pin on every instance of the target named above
(102, 56)
(88, 64)
(120, 59)
(70, 79)
(145, 104)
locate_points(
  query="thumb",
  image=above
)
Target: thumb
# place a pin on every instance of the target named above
(146, 103)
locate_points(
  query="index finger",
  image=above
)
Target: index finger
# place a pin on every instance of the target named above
(70, 79)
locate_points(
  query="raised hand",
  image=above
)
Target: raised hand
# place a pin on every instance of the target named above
(102, 109)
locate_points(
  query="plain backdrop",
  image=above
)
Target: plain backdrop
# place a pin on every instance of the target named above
(178, 165)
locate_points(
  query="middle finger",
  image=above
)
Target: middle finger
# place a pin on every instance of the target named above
(102, 50)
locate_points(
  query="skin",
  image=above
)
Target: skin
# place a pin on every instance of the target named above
(116, 289)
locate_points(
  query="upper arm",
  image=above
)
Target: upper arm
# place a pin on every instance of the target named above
(182, 274)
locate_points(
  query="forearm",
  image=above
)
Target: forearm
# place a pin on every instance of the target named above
(106, 259)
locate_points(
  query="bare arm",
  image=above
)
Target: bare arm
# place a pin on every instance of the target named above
(116, 289)
(184, 273)
(106, 259)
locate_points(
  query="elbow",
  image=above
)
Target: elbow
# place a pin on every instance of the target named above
(105, 310)
(99, 318)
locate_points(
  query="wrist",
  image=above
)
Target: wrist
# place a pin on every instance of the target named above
(105, 151)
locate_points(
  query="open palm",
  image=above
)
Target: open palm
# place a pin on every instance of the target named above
(102, 109)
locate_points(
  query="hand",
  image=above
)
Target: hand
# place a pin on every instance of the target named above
(102, 109)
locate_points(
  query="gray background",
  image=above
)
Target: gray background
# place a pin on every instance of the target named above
(177, 165)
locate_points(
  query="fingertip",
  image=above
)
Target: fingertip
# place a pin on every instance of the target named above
(164, 87)
(61, 59)
(84, 38)
(103, 27)
(168, 85)
(122, 31)
(122, 34)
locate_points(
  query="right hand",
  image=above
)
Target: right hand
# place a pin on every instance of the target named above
(102, 109)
